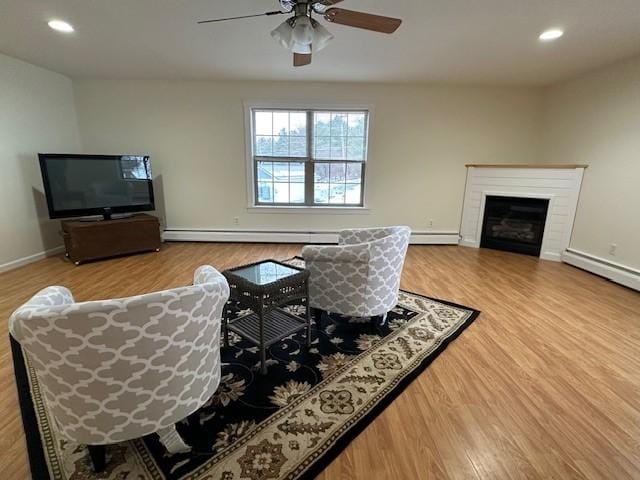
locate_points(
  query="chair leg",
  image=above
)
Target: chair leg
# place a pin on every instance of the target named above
(225, 324)
(378, 321)
(316, 316)
(172, 441)
(98, 457)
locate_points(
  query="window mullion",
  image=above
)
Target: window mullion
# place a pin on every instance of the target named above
(308, 166)
(255, 160)
(362, 174)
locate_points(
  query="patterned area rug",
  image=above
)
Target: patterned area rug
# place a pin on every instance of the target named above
(288, 424)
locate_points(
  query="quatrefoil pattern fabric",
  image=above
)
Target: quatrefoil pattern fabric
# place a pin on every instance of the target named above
(361, 275)
(114, 370)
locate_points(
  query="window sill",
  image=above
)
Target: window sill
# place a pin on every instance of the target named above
(313, 210)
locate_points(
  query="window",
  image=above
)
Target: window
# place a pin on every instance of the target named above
(135, 167)
(309, 157)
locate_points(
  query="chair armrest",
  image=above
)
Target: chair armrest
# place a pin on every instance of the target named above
(50, 297)
(207, 274)
(336, 253)
(55, 296)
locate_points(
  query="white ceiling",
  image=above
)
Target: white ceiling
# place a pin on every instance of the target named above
(466, 41)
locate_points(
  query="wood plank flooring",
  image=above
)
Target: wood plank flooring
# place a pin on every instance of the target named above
(545, 384)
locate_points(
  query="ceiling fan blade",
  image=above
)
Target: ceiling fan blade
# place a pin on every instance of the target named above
(267, 14)
(367, 21)
(301, 59)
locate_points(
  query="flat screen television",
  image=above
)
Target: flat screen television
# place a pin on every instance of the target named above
(83, 185)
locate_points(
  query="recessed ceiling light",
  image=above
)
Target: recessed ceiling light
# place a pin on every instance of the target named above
(550, 35)
(61, 26)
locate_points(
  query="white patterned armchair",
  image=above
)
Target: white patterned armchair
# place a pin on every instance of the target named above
(114, 370)
(359, 277)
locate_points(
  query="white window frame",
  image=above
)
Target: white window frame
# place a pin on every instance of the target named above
(249, 106)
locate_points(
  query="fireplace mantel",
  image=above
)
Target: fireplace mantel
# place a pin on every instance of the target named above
(559, 183)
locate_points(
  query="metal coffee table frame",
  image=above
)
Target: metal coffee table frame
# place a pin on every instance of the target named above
(268, 323)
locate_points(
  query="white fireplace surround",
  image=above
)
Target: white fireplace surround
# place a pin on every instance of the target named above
(560, 184)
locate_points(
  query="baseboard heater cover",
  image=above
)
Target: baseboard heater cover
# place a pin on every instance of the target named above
(618, 273)
(284, 236)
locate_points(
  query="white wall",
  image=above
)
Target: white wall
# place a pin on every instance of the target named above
(420, 139)
(37, 114)
(595, 120)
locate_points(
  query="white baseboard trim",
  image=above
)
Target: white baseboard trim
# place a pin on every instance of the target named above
(20, 262)
(616, 272)
(554, 257)
(434, 238)
(469, 243)
(290, 236)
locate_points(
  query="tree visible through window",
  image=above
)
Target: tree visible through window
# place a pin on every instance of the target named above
(309, 157)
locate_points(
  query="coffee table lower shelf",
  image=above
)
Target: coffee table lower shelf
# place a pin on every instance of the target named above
(277, 324)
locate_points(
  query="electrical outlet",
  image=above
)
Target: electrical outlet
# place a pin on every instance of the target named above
(430, 223)
(612, 248)
(236, 220)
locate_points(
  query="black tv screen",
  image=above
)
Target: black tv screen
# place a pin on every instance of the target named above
(82, 185)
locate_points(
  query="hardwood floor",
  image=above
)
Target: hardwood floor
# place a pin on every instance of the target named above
(545, 383)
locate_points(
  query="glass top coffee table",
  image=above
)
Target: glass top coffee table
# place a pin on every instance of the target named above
(265, 287)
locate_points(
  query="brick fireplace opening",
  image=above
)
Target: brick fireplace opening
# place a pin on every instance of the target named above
(514, 224)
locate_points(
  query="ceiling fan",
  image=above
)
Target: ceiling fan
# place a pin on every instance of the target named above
(303, 35)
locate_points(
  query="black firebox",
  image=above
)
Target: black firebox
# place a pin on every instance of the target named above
(514, 224)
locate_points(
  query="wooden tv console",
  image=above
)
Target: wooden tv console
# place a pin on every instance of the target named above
(92, 240)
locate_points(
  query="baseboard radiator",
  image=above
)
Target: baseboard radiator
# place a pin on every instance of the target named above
(291, 236)
(616, 272)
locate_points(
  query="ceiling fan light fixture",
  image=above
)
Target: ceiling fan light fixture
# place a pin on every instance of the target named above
(302, 30)
(302, 48)
(302, 35)
(284, 34)
(321, 36)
